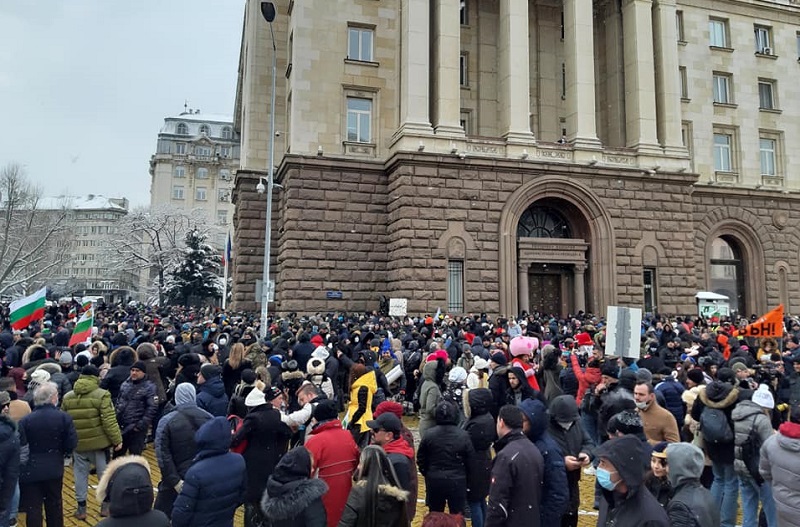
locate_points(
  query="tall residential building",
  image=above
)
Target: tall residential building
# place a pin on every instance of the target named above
(194, 166)
(86, 270)
(522, 155)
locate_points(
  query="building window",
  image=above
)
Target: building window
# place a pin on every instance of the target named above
(455, 286)
(763, 35)
(464, 14)
(359, 45)
(563, 80)
(202, 173)
(722, 88)
(180, 171)
(718, 30)
(650, 290)
(200, 194)
(768, 157)
(463, 76)
(223, 195)
(204, 129)
(722, 153)
(227, 133)
(684, 82)
(679, 26)
(766, 94)
(222, 217)
(465, 122)
(225, 174)
(180, 148)
(183, 129)
(225, 152)
(359, 120)
(797, 38)
(177, 192)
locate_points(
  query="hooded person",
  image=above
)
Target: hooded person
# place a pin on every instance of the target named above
(626, 502)
(211, 395)
(555, 490)
(429, 395)
(691, 504)
(214, 485)
(482, 433)
(780, 466)
(175, 444)
(126, 485)
(518, 388)
(292, 498)
(549, 375)
(498, 381)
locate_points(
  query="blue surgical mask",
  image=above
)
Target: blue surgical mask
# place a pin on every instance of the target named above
(604, 479)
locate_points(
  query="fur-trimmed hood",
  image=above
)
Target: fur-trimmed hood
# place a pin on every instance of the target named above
(292, 498)
(127, 484)
(50, 367)
(718, 395)
(387, 490)
(292, 376)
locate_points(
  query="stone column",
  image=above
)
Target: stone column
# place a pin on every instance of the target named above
(580, 287)
(415, 67)
(668, 88)
(640, 89)
(579, 52)
(513, 79)
(523, 291)
(615, 77)
(446, 42)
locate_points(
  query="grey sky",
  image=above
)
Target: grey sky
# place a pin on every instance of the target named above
(85, 84)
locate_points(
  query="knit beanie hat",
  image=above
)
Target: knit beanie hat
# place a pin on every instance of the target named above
(696, 376)
(763, 397)
(139, 365)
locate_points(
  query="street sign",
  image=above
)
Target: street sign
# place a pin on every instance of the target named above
(334, 295)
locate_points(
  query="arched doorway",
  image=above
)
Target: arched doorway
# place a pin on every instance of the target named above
(556, 221)
(726, 271)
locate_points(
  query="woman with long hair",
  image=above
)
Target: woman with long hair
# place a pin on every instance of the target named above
(376, 499)
(234, 365)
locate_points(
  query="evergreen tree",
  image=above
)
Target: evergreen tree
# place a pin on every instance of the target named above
(195, 277)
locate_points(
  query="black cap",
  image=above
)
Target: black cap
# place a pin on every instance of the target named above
(90, 369)
(388, 422)
(139, 365)
(325, 411)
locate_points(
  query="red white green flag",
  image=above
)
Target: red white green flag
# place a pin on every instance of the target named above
(28, 309)
(73, 312)
(83, 329)
(86, 305)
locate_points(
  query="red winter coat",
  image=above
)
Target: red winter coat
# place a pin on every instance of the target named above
(530, 373)
(335, 458)
(586, 378)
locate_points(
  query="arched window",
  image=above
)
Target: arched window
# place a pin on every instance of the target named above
(226, 132)
(543, 222)
(727, 271)
(202, 173)
(183, 129)
(204, 129)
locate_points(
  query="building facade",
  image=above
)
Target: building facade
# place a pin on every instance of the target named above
(518, 155)
(194, 165)
(86, 270)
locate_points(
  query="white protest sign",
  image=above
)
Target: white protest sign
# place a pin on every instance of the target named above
(624, 329)
(398, 307)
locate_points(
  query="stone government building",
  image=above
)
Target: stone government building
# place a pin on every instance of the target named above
(508, 155)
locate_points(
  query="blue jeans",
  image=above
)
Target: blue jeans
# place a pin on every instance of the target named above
(725, 491)
(589, 423)
(477, 510)
(752, 494)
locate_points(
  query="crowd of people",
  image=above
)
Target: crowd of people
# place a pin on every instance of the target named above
(309, 426)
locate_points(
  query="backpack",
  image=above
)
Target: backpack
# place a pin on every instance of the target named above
(715, 427)
(235, 423)
(751, 451)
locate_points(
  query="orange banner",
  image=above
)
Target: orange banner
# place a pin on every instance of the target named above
(769, 325)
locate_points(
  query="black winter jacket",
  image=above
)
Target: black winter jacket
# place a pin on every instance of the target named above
(175, 444)
(9, 464)
(498, 384)
(672, 391)
(136, 405)
(113, 380)
(291, 499)
(722, 396)
(391, 508)
(482, 432)
(515, 495)
(446, 452)
(50, 435)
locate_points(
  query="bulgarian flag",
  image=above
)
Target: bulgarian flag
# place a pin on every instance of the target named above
(86, 305)
(28, 309)
(83, 329)
(73, 312)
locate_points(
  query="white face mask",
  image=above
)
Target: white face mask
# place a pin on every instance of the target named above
(565, 426)
(641, 405)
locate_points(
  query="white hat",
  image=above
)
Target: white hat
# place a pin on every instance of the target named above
(40, 376)
(255, 398)
(480, 364)
(321, 352)
(763, 397)
(457, 374)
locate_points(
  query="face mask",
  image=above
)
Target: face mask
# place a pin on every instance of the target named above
(604, 479)
(565, 425)
(641, 405)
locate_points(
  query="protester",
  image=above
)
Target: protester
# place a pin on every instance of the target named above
(429, 396)
(376, 499)
(233, 367)
(400, 451)
(136, 408)
(780, 466)
(211, 395)
(656, 479)
(691, 504)
(292, 498)
(482, 433)
(10, 457)
(659, 423)
(127, 488)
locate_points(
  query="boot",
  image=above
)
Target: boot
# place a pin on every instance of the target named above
(80, 513)
(104, 509)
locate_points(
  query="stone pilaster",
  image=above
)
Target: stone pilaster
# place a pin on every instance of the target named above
(668, 90)
(513, 72)
(415, 68)
(579, 51)
(447, 66)
(523, 290)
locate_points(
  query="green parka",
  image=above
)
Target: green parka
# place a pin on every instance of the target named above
(93, 413)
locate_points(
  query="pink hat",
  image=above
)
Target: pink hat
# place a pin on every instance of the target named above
(523, 346)
(439, 354)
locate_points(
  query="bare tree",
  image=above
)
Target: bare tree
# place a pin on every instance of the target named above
(151, 240)
(33, 240)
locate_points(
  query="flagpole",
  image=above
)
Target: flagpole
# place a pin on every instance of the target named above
(227, 259)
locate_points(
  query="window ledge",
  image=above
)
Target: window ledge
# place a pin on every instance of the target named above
(726, 105)
(766, 55)
(682, 43)
(721, 48)
(685, 99)
(362, 62)
(362, 149)
(770, 110)
(465, 87)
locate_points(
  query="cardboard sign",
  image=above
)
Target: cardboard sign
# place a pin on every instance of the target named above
(769, 325)
(398, 307)
(624, 330)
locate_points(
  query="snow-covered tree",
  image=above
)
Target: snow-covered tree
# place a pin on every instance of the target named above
(195, 278)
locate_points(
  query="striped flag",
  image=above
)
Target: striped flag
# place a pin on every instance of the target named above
(86, 305)
(28, 309)
(73, 312)
(226, 255)
(83, 329)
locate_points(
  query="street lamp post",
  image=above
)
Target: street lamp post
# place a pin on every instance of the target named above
(268, 12)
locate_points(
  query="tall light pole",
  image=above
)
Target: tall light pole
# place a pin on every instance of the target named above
(268, 12)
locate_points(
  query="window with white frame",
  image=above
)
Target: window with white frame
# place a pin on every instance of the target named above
(177, 191)
(202, 151)
(463, 13)
(718, 33)
(202, 173)
(455, 286)
(359, 43)
(200, 193)
(180, 171)
(684, 78)
(763, 39)
(222, 217)
(767, 147)
(359, 120)
(225, 151)
(766, 94)
(227, 133)
(225, 174)
(180, 148)
(204, 129)
(679, 25)
(723, 156)
(464, 121)
(463, 72)
(223, 195)
(183, 129)
(722, 88)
